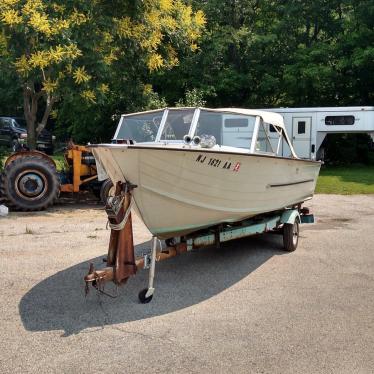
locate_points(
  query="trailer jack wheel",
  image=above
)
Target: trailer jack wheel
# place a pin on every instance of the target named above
(143, 296)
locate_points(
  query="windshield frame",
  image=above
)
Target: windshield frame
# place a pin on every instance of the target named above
(194, 123)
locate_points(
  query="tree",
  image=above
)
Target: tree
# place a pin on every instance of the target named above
(280, 53)
(77, 50)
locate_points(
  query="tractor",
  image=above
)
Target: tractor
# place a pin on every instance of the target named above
(30, 180)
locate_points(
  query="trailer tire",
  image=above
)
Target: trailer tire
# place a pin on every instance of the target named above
(30, 184)
(142, 298)
(106, 190)
(291, 236)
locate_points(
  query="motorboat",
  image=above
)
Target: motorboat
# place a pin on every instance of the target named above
(195, 168)
(198, 177)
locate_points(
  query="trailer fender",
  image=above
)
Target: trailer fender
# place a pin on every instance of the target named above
(290, 216)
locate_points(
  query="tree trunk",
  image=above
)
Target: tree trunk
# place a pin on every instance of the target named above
(48, 108)
(30, 106)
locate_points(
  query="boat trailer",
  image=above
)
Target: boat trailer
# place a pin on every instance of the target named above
(121, 261)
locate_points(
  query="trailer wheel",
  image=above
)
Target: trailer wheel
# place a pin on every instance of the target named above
(30, 183)
(171, 242)
(291, 236)
(107, 189)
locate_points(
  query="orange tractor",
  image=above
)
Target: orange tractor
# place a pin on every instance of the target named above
(30, 180)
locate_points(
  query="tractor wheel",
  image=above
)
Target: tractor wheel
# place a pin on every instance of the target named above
(107, 189)
(2, 197)
(30, 183)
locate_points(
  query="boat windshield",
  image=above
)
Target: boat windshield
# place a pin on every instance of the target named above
(144, 127)
(177, 124)
(141, 127)
(229, 129)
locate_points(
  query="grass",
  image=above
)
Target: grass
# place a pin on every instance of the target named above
(346, 180)
(59, 160)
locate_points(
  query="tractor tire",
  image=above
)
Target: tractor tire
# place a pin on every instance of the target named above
(30, 184)
(106, 190)
(2, 198)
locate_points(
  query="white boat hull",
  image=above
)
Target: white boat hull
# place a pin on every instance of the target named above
(181, 191)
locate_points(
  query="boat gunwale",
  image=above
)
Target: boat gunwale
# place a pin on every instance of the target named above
(200, 150)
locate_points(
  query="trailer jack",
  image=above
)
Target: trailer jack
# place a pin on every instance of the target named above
(121, 261)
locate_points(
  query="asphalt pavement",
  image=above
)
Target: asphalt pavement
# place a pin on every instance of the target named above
(247, 307)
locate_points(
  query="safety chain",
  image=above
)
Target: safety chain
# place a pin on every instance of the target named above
(99, 285)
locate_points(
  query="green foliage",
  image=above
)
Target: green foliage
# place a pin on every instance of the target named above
(272, 54)
(90, 56)
(4, 153)
(135, 55)
(193, 98)
(343, 149)
(59, 159)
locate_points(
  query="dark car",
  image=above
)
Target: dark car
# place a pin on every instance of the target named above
(13, 133)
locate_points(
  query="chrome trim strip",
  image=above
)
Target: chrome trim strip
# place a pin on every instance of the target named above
(291, 184)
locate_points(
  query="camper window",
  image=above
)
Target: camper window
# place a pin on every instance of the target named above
(339, 120)
(301, 127)
(236, 122)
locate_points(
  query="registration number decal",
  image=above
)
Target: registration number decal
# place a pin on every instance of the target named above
(217, 163)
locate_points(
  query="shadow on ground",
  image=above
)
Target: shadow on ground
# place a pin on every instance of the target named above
(65, 206)
(58, 302)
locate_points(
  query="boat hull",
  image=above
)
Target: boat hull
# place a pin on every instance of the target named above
(180, 191)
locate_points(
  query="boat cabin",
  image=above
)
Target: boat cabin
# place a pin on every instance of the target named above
(245, 130)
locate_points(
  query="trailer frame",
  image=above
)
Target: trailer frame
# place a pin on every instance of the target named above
(121, 260)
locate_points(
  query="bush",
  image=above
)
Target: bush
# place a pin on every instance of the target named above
(3, 154)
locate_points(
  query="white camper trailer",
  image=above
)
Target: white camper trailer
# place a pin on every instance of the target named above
(308, 127)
